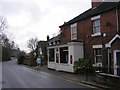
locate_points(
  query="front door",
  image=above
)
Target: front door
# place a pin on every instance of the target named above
(117, 62)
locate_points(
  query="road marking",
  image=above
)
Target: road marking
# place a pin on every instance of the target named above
(90, 86)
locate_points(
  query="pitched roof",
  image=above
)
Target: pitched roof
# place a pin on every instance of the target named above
(112, 40)
(56, 38)
(105, 6)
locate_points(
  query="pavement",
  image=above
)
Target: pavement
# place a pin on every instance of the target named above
(78, 78)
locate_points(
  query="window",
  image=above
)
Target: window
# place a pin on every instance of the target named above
(64, 55)
(97, 55)
(40, 49)
(51, 55)
(96, 26)
(74, 31)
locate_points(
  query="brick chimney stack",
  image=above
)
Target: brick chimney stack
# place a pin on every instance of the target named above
(96, 3)
(48, 37)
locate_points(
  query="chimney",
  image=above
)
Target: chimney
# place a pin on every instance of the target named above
(96, 3)
(48, 37)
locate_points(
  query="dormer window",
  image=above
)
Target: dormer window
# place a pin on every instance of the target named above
(51, 43)
(74, 31)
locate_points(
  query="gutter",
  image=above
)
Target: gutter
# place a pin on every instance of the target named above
(117, 22)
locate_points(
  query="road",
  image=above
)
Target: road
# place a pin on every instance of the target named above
(19, 76)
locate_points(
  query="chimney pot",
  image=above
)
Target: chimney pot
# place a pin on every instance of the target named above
(96, 3)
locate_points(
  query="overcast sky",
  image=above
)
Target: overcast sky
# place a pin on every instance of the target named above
(38, 18)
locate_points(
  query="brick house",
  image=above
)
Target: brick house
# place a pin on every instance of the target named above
(94, 34)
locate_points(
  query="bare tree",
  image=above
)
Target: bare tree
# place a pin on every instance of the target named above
(3, 24)
(4, 41)
(32, 43)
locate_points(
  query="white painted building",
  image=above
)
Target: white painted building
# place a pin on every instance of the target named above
(62, 57)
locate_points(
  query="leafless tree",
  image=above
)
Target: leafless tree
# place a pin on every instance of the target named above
(32, 43)
(3, 24)
(4, 41)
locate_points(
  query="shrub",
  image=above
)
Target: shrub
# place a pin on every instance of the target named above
(82, 65)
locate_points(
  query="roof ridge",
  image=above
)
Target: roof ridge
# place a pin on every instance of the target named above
(90, 12)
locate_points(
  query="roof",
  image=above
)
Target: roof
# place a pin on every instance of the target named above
(105, 6)
(113, 39)
(56, 38)
(42, 41)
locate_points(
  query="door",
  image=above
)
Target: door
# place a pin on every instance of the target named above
(117, 62)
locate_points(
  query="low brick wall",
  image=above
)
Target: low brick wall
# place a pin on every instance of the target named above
(108, 79)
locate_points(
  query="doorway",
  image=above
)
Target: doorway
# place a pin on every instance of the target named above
(117, 62)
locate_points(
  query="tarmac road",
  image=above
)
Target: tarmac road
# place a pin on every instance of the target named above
(18, 76)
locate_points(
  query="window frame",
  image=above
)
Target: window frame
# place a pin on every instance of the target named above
(51, 57)
(40, 51)
(96, 24)
(64, 55)
(74, 31)
(97, 54)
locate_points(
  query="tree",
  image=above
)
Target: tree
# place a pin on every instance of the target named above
(4, 41)
(82, 65)
(32, 43)
(6, 44)
(3, 24)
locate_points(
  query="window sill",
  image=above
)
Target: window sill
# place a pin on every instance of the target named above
(65, 64)
(73, 39)
(96, 34)
(97, 65)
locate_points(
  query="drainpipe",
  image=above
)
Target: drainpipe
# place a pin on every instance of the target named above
(117, 19)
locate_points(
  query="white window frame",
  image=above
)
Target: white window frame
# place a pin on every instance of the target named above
(40, 49)
(95, 26)
(97, 64)
(74, 31)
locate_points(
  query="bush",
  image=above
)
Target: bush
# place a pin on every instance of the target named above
(5, 54)
(82, 65)
(20, 59)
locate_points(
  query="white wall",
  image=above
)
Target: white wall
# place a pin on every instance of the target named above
(65, 67)
(75, 49)
(51, 65)
(61, 67)
(78, 51)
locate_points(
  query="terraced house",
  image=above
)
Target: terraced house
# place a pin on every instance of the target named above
(94, 34)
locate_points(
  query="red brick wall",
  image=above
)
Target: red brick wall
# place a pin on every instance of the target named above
(116, 44)
(96, 3)
(84, 28)
(66, 34)
(110, 30)
(108, 22)
(119, 19)
(84, 31)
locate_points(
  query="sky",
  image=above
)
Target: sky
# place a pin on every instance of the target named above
(38, 18)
